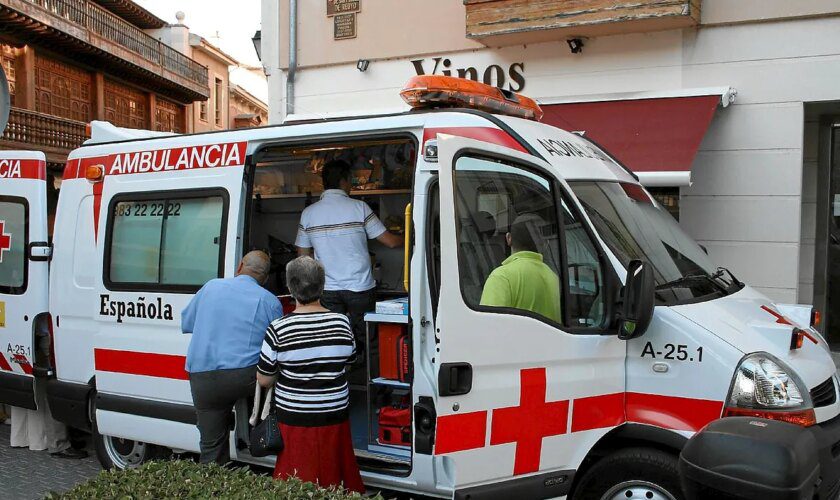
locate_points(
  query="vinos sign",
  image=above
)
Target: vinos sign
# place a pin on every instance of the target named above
(511, 78)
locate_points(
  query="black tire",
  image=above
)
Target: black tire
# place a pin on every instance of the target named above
(631, 471)
(118, 453)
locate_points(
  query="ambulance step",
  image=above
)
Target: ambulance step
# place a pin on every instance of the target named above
(385, 454)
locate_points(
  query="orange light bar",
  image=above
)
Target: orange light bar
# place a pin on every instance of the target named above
(430, 91)
(95, 173)
(805, 418)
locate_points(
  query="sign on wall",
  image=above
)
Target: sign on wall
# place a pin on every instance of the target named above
(511, 77)
(344, 26)
(335, 7)
(343, 13)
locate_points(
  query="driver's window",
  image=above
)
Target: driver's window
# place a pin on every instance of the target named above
(509, 246)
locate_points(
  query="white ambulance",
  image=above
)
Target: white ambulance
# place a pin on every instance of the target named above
(652, 341)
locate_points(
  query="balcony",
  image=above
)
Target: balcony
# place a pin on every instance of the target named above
(56, 137)
(84, 30)
(510, 22)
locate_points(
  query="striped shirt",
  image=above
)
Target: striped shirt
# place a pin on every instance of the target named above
(338, 228)
(308, 352)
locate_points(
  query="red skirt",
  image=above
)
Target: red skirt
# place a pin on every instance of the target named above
(322, 455)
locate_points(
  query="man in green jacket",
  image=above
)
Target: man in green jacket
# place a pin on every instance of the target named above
(524, 281)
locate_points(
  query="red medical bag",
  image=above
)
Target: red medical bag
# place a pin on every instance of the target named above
(395, 426)
(394, 354)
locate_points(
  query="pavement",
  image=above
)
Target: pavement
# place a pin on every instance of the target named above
(26, 474)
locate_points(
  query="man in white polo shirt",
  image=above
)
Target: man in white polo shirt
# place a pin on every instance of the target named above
(337, 228)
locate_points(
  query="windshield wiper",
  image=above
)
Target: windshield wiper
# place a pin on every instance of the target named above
(693, 278)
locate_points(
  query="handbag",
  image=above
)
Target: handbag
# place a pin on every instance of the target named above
(265, 437)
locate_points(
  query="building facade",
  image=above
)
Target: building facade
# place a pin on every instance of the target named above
(246, 110)
(70, 62)
(213, 113)
(725, 109)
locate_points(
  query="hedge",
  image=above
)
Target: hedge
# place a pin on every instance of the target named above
(186, 479)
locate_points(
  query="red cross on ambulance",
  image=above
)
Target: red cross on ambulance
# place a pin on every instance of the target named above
(5, 240)
(525, 425)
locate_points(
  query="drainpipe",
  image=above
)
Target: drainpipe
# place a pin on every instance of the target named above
(290, 75)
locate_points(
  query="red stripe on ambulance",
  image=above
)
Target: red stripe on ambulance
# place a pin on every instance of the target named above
(21, 360)
(486, 134)
(597, 412)
(671, 412)
(23, 169)
(4, 365)
(148, 364)
(466, 431)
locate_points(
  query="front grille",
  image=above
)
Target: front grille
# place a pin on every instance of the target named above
(824, 394)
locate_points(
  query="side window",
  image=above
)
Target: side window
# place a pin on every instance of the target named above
(509, 245)
(13, 240)
(585, 293)
(172, 241)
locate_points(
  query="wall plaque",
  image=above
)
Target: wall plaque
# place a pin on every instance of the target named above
(335, 7)
(344, 26)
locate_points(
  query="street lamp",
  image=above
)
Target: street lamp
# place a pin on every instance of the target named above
(257, 39)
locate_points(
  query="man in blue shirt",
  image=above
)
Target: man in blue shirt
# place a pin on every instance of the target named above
(227, 319)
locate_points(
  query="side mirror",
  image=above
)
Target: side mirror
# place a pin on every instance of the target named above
(637, 308)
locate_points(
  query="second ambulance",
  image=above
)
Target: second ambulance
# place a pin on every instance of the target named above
(653, 342)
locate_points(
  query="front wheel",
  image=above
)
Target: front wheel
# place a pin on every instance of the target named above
(118, 453)
(631, 474)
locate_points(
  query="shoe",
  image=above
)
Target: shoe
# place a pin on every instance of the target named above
(70, 453)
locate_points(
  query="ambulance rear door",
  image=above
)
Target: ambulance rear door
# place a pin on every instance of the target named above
(24, 272)
(169, 221)
(524, 390)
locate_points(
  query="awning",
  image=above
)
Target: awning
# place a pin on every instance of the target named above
(655, 134)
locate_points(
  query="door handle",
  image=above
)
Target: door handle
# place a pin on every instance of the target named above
(455, 379)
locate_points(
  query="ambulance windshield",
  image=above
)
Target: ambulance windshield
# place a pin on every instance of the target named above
(634, 226)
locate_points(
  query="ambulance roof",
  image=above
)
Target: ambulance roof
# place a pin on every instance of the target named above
(572, 156)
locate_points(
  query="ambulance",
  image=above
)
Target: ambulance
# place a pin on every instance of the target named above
(652, 342)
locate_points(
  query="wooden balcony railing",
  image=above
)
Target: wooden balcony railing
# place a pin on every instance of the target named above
(115, 29)
(43, 131)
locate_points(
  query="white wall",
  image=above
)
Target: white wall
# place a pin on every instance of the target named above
(809, 211)
(746, 204)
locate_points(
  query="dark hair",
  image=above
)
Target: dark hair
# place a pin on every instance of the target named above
(521, 232)
(305, 279)
(334, 172)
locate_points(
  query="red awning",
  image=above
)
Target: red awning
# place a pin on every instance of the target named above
(657, 138)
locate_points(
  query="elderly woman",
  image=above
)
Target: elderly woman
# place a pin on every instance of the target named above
(304, 355)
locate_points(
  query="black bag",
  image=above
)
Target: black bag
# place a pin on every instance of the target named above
(265, 438)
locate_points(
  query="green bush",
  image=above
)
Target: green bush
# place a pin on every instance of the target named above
(185, 479)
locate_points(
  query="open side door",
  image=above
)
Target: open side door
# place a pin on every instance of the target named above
(24, 276)
(526, 383)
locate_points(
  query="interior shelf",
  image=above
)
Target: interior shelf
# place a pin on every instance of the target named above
(366, 192)
(386, 318)
(391, 383)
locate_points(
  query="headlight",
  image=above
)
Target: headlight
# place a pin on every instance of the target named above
(764, 387)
